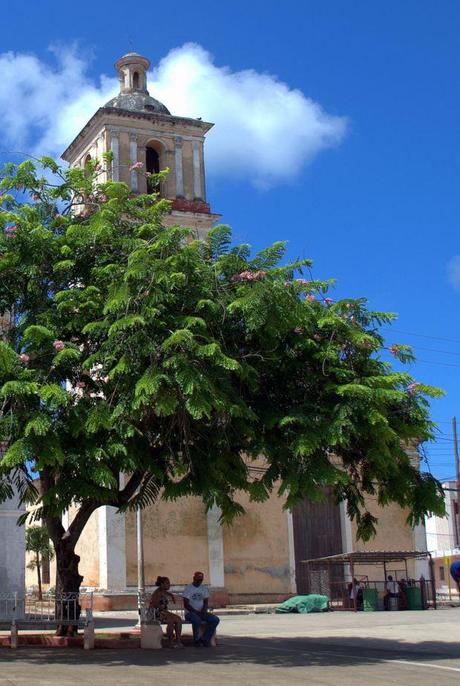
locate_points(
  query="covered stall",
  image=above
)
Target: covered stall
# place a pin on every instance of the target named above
(366, 593)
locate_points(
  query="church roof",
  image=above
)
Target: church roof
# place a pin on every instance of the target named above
(137, 102)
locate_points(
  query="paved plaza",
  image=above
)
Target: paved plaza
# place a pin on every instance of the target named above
(410, 648)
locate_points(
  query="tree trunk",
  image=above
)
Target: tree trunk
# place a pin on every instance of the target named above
(68, 581)
(68, 578)
(39, 576)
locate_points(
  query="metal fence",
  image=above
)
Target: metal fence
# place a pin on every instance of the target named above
(50, 609)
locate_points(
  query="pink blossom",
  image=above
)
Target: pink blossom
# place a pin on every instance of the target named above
(102, 198)
(393, 349)
(98, 167)
(250, 276)
(311, 297)
(58, 345)
(24, 357)
(298, 329)
(35, 197)
(81, 384)
(136, 165)
(328, 301)
(86, 213)
(288, 283)
(11, 230)
(303, 282)
(412, 387)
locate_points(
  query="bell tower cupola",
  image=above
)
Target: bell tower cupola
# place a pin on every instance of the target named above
(145, 138)
(132, 70)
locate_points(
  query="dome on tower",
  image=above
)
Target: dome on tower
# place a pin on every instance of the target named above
(137, 102)
(133, 95)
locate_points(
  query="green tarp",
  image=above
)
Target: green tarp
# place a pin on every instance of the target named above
(304, 604)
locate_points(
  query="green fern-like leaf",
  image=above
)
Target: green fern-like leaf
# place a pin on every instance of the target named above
(38, 425)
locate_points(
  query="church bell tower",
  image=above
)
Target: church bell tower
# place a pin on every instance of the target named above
(145, 138)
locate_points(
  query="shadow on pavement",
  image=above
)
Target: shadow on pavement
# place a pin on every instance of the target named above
(270, 652)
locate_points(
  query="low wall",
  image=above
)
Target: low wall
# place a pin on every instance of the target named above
(106, 601)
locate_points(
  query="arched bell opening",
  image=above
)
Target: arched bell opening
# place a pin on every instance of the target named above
(154, 163)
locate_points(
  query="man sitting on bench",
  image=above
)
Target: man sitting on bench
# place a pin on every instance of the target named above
(196, 597)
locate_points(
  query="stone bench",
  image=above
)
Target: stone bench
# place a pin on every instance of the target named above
(151, 631)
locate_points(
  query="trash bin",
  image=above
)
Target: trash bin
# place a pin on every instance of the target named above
(370, 599)
(414, 598)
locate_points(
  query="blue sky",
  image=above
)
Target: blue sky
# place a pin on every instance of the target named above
(376, 206)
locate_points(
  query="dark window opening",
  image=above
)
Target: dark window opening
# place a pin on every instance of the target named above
(152, 167)
(153, 161)
(87, 163)
(442, 574)
(136, 80)
(45, 571)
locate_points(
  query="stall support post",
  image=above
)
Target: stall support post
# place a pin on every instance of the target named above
(353, 588)
(432, 581)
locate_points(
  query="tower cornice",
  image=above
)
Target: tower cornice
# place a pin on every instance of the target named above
(164, 120)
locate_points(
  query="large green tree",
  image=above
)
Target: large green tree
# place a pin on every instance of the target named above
(135, 349)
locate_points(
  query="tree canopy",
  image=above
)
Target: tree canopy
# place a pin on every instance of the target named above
(141, 350)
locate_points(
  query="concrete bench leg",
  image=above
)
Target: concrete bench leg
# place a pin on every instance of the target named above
(14, 636)
(88, 636)
(151, 636)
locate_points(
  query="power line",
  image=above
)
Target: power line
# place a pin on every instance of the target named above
(434, 350)
(421, 335)
(440, 364)
(430, 350)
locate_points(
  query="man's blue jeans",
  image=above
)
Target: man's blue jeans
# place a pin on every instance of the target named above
(211, 625)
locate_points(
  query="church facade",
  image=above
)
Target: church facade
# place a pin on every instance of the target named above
(12, 548)
(260, 556)
(12, 536)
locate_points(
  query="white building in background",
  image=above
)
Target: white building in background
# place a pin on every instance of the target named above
(12, 548)
(443, 539)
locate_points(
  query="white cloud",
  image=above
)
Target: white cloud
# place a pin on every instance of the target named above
(265, 131)
(453, 271)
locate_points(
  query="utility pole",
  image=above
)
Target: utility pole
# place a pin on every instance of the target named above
(457, 478)
(140, 562)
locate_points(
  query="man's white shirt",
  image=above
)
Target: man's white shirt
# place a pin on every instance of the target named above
(393, 587)
(196, 595)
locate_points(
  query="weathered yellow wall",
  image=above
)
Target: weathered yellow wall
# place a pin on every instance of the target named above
(256, 549)
(88, 549)
(175, 541)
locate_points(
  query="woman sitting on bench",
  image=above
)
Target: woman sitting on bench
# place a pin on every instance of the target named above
(159, 600)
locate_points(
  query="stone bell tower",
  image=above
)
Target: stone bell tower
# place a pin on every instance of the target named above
(139, 129)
